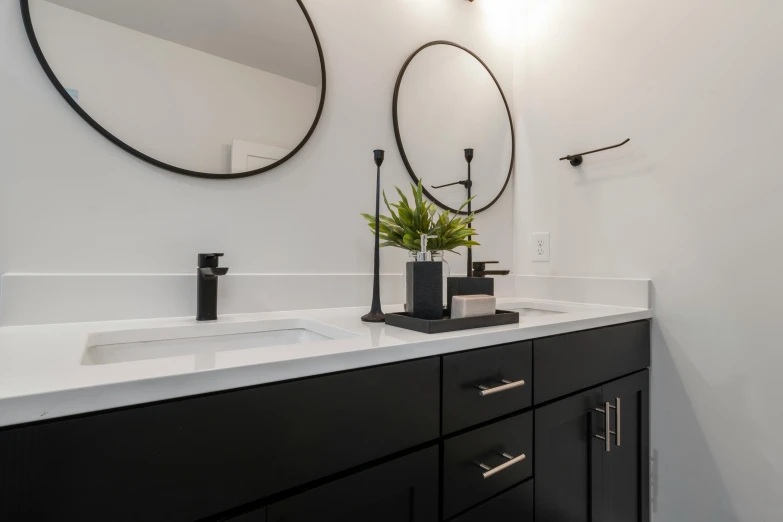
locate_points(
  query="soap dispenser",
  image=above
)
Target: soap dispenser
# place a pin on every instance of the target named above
(424, 285)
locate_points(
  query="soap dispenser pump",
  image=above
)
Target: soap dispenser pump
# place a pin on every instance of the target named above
(424, 284)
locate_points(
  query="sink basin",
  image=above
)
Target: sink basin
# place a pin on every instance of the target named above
(535, 312)
(526, 309)
(207, 338)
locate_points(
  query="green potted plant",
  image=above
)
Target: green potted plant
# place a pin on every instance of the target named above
(404, 227)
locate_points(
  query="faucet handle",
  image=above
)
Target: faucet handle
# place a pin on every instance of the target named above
(481, 265)
(208, 260)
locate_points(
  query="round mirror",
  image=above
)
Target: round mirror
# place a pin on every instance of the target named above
(213, 89)
(447, 100)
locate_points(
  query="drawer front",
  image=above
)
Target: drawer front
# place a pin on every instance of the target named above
(500, 370)
(258, 515)
(514, 505)
(403, 490)
(188, 459)
(464, 480)
(572, 362)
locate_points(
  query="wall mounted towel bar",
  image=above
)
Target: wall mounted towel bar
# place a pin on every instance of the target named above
(576, 159)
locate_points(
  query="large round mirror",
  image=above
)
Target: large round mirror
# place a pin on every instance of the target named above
(447, 100)
(216, 89)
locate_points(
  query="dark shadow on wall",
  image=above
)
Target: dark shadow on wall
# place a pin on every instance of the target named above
(686, 482)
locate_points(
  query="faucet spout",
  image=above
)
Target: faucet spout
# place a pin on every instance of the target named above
(480, 269)
(212, 272)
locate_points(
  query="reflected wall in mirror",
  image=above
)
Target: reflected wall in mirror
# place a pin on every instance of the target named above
(217, 89)
(447, 100)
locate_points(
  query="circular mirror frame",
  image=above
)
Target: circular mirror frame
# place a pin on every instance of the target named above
(398, 136)
(28, 25)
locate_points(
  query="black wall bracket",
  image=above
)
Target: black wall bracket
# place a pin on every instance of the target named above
(576, 159)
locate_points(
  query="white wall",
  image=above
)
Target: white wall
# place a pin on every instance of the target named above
(171, 102)
(692, 202)
(70, 201)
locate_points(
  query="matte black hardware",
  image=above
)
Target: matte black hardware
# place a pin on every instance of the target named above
(376, 314)
(480, 269)
(469, 185)
(207, 286)
(464, 183)
(576, 159)
(208, 260)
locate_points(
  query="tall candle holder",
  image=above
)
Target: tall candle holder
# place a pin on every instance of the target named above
(376, 314)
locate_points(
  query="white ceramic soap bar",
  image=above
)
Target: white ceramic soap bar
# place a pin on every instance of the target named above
(472, 305)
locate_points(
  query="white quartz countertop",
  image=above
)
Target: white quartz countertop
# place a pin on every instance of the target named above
(42, 374)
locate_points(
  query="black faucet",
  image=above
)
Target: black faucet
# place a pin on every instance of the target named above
(207, 287)
(480, 269)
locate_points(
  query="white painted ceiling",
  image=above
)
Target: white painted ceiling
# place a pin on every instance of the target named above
(272, 35)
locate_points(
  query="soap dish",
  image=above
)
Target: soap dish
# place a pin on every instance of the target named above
(447, 324)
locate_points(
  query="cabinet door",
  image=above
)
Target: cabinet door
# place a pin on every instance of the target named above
(403, 490)
(568, 460)
(626, 494)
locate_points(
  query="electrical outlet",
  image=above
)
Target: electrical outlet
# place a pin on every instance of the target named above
(541, 247)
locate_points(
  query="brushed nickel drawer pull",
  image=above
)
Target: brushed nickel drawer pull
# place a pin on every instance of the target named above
(488, 472)
(507, 385)
(608, 407)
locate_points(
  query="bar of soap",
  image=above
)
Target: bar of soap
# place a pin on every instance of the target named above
(472, 305)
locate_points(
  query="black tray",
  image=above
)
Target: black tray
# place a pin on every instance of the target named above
(447, 324)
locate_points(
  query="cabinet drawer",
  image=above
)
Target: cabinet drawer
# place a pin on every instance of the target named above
(573, 362)
(466, 404)
(403, 490)
(258, 515)
(464, 480)
(189, 459)
(514, 505)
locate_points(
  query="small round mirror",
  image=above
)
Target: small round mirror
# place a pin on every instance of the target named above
(217, 89)
(447, 100)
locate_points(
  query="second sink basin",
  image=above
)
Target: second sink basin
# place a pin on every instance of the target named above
(176, 341)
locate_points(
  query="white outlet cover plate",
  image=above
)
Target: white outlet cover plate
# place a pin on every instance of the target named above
(540, 247)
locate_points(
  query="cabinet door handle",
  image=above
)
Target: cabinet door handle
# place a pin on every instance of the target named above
(507, 385)
(608, 407)
(488, 472)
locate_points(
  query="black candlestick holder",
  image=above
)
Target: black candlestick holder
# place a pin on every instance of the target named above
(469, 185)
(376, 314)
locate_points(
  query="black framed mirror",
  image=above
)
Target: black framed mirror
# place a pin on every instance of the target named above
(208, 89)
(446, 99)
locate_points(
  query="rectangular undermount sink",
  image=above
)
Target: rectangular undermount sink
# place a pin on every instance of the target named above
(207, 338)
(530, 309)
(535, 312)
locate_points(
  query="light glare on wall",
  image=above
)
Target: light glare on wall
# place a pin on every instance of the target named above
(499, 15)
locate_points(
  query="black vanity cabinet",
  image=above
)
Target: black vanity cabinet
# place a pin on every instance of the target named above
(592, 448)
(511, 432)
(567, 459)
(626, 463)
(403, 490)
(188, 459)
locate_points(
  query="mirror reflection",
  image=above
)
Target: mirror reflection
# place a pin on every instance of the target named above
(448, 101)
(203, 86)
